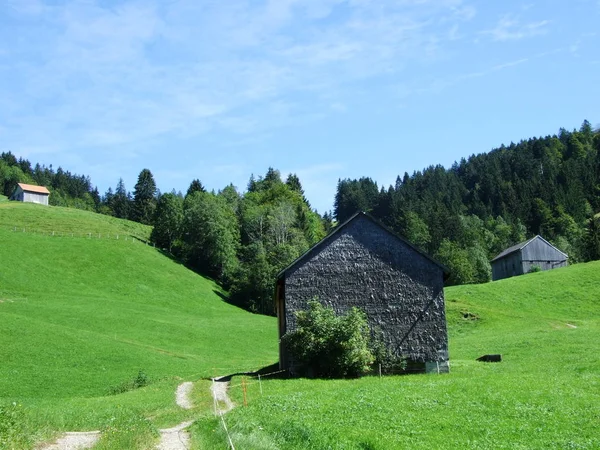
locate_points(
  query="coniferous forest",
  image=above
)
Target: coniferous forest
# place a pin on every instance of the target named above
(463, 215)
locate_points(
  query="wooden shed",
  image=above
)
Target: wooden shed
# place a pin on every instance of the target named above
(523, 257)
(364, 264)
(31, 194)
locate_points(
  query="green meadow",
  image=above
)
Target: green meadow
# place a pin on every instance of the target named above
(544, 394)
(82, 317)
(66, 222)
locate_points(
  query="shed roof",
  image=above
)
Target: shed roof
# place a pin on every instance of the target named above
(522, 245)
(339, 228)
(33, 188)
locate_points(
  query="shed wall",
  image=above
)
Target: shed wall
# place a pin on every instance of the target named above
(541, 254)
(543, 265)
(17, 195)
(400, 290)
(32, 197)
(507, 267)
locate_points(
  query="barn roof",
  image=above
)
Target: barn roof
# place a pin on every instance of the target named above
(522, 245)
(339, 228)
(33, 188)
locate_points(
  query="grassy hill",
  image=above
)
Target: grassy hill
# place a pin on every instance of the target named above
(66, 222)
(81, 314)
(544, 394)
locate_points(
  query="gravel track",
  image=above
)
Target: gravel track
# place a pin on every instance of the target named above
(75, 441)
(176, 438)
(219, 391)
(182, 395)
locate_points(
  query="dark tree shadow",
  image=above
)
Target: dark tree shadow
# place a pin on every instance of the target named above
(171, 256)
(271, 371)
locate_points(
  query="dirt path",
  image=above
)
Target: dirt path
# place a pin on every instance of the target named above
(182, 396)
(219, 388)
(75, 441)
(177, 438)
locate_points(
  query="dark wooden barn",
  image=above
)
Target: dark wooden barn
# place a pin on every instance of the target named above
(523, 257)
(363, 264)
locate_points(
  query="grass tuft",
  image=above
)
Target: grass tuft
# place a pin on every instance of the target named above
(12, 427)
(127, 429)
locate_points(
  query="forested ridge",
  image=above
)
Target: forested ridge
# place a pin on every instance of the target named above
(463, 215)
(467, 214)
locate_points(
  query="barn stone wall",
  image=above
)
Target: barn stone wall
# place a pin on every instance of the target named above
(400, 290)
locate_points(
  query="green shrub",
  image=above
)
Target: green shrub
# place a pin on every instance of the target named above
(139, 381)
(326, 345)
(12, 432)
(535, 269)
(383, 357)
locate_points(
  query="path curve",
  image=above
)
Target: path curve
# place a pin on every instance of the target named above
(219, 391)
(182, 396)
(75, 441)
(177, 438)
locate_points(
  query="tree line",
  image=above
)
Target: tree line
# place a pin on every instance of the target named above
(467, 214)
(464, 215)
(242, 240)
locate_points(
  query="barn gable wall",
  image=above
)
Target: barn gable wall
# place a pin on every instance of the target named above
(540, 251)
(400, 290)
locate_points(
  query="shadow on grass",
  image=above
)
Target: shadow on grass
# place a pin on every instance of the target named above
(230, 300)
(170, 255)
(271, 371)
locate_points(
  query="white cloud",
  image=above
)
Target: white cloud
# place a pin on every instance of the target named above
(109, 76)
(510, 28)
(112, 81)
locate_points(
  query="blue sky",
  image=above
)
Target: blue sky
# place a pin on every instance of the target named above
(329, 89)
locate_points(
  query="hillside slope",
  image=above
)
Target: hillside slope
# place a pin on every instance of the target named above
(81, 314)
(544, 394)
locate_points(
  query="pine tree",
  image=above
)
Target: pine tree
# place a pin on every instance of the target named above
(294, 183)
(144, 198)
(120, 203)
(195, 186)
